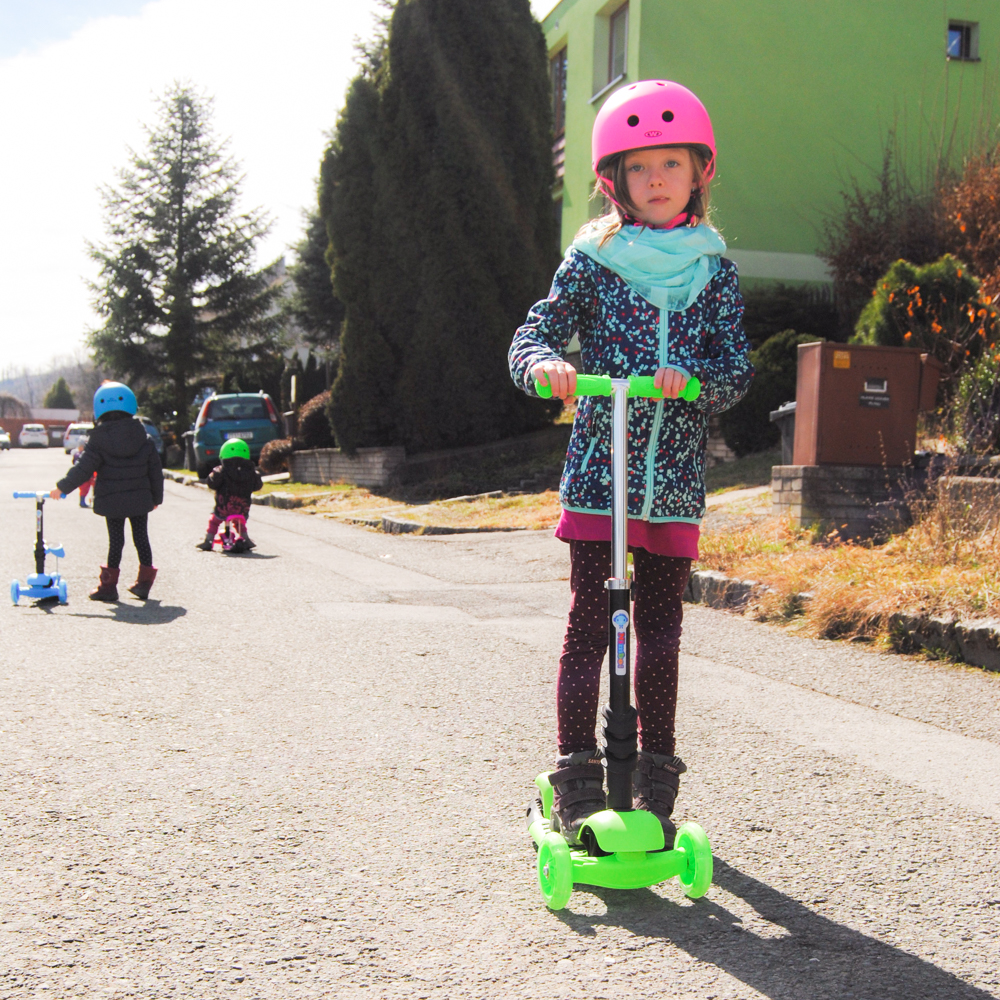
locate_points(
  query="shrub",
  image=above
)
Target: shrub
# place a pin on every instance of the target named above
(975, 409)
(774, 307)
(747, 426)
(971, 223)
(895, 219)
(936, 307)
(274, 456)
(314, 423)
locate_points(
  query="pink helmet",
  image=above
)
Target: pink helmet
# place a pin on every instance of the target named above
(652, 113)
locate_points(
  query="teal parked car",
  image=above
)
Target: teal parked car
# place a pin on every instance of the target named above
(251, 416)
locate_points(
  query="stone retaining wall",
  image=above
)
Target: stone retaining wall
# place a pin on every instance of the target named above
(370, 467)
(855, 500)
(975, 498)
(381, 467)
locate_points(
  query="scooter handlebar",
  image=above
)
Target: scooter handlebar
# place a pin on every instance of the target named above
(33, 495)
(638, 385)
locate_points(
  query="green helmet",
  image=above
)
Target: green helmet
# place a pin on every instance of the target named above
(235, 448)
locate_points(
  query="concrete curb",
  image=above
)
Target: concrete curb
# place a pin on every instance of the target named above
(396, 526)
(975, 641)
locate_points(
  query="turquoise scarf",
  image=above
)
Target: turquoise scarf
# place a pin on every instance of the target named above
(667, 267)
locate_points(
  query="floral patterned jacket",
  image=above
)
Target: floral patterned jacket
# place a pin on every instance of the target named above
(623, 334)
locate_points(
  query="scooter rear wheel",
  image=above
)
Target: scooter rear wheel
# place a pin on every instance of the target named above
(697, 874)
(555, 871)
(15, 591)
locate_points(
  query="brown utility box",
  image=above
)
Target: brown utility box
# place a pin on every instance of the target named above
(858, 404)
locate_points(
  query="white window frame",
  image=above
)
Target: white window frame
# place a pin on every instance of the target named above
(972, 27)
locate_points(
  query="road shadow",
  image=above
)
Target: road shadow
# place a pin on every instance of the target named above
(150, 613)
(809, 956)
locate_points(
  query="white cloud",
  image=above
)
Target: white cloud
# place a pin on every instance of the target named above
(277, 73)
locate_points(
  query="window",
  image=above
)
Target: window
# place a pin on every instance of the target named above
(963, 40)
(557, 71)
(237, 408)
(617, 43)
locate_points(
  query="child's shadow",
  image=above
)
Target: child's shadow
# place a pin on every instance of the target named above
(149, 613)
(808, 955)
(248, 555)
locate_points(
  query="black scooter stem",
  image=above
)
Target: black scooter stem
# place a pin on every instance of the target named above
(620, 717)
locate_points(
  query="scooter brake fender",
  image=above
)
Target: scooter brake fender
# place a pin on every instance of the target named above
(633, 831)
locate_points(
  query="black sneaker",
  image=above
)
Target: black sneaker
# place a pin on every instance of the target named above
(206, 545)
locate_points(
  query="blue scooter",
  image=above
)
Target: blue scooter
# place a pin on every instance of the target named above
(40, 584)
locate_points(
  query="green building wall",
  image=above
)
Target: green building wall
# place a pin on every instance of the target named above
(803, 96)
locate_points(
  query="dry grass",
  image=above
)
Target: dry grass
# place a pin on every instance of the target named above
(531, 510)
(943, 565)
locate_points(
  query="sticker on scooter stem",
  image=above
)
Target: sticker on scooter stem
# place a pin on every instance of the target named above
(620, 621)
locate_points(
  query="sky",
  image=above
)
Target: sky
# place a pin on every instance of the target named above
(80, 78)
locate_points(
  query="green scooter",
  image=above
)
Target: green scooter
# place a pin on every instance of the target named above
(625, 847)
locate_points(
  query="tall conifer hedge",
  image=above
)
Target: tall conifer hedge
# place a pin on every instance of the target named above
(436, 193)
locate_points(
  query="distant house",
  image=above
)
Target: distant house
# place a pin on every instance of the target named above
(802, 95)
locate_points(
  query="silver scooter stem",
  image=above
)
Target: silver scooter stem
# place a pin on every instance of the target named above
(619, 484)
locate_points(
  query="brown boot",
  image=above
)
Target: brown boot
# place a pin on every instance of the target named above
(654, 785)
(107, 589)
(147, 574)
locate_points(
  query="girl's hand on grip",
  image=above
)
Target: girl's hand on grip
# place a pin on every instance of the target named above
(671, 381)
(558, 374)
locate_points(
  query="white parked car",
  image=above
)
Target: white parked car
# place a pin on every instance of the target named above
(33, 436)
(4, 440)
(75, 433)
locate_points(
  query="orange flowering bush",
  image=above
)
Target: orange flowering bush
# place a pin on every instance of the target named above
(939, 308)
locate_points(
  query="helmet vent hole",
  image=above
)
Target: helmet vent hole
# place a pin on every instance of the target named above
(633, 120)
(667, 116)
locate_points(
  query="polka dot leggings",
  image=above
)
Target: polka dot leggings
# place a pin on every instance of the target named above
(657, 613)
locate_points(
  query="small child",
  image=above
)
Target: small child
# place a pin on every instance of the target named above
(647, 291)
(129, 485)
(84, 487)
(234, 482)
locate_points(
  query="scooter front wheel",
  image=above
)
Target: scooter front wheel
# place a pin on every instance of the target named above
(555, 871)
(15, 591)
(63, 592)
(697, 874)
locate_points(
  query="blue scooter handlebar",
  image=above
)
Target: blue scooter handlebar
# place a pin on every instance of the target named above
(34, 495)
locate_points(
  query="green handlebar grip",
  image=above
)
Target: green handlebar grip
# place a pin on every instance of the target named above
(638, 385)
(642, 385)
(586, 385)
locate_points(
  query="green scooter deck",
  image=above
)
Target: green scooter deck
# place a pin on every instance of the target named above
(635, 857)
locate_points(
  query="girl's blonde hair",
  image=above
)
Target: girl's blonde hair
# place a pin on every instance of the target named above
(613, 171)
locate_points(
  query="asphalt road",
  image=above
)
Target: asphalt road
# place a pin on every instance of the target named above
(302, 773)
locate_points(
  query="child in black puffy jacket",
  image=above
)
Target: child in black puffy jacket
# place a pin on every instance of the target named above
(129, 484)
(234, 482)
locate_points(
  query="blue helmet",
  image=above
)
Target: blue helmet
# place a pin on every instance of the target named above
(114, 396)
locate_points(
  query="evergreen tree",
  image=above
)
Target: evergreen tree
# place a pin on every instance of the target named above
(59, 397)
(450, 218)
(313, 306)
(361, 407)
(178, 290)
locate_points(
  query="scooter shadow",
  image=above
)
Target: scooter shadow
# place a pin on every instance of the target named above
(808, 956)
(150, 613)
